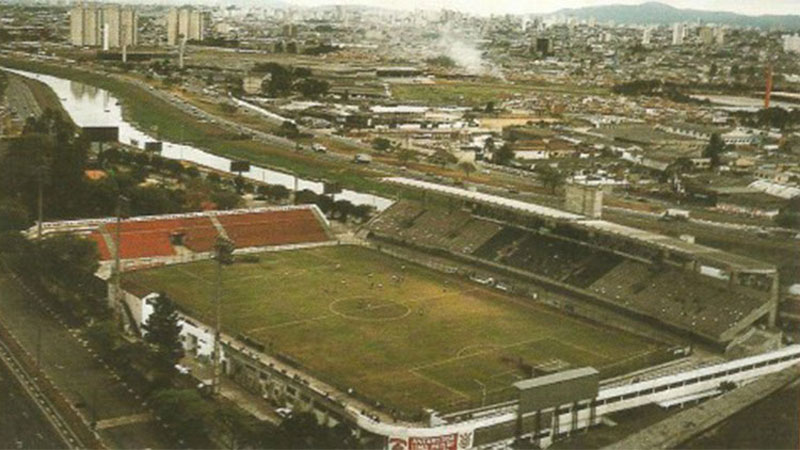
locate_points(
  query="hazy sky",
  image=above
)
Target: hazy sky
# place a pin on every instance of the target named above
(752, 7)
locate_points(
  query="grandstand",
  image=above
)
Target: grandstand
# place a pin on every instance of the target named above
(177, 235)
(688, 300)
(649, 276)
(268, 229)
(454, 230)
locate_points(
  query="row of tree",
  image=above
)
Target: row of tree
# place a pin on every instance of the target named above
(285, 80)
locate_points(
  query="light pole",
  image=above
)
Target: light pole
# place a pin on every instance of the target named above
(117, 306)
(223, 253)
(42, 172)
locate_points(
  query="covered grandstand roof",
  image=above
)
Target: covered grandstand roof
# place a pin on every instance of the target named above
(496, 200)
(700, 252)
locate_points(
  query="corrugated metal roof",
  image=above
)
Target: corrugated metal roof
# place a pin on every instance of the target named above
(556, 378)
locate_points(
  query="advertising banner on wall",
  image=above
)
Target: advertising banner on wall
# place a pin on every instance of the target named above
(454, 441)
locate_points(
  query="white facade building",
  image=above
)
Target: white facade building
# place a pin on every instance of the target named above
(791, 43)
(678, 33)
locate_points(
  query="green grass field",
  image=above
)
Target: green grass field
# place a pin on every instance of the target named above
(403, 335)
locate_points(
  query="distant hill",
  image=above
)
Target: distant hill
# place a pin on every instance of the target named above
(655, 13)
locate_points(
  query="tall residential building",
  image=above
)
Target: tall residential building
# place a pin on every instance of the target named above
(707, 35)
(109, 26)
(678, 32)
(184, 22)
(647, 36)
(719, 36)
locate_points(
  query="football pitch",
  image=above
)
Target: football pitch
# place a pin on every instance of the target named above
(397, 333)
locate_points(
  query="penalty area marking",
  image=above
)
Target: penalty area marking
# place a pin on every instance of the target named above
(477, 349)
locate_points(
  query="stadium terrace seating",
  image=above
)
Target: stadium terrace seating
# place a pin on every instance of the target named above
(199, 234)
(398, 217)
(267, 228)
(506, 237)
(146, 238)
(593, 268)
(687, 299)
(454, 230)
(154, 237)
(102, 248)
(150, 238)
(553, 258)
(473, 234)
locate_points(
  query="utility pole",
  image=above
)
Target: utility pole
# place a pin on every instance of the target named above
(223, 253)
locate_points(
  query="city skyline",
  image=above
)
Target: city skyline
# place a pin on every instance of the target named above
(483, 7)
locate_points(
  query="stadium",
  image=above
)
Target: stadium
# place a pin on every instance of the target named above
(429, 327)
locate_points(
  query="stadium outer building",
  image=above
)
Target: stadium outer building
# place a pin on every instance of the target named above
(482, 427)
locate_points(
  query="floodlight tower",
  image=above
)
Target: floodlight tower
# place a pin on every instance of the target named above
(117, 306)
(223, 253)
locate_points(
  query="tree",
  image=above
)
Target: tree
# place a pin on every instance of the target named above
(280, 82)
(277, 192)
(236, 428)
(504, 155)
(198, 193)
(324, 203)
(468, 167)
(342, 209)
(186, 412)
(239, 183)
(381, 144)
(405, 155)
(714, 150)
(488, 145)
(302, 431)
(362, 212)
(443, 61)
(225, 199)
(312, 88)
(13, 215)
(443, 158)
(305, 196)
(66, 264)
(174, 166)
(489, 108)
(146, 200)
(550, 178)
(162, 332)
(289, 129)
